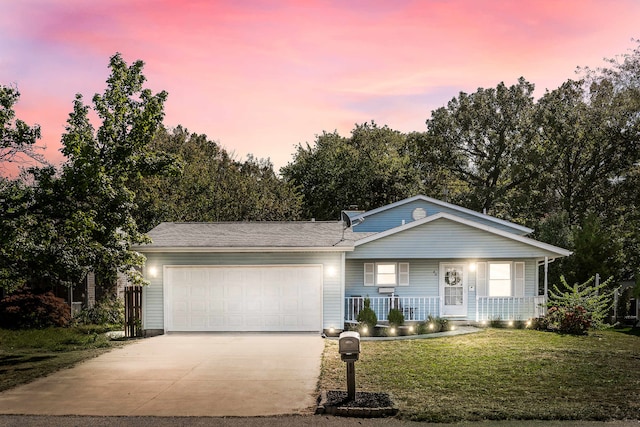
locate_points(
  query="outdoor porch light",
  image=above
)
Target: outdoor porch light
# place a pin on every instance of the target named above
(472, 266)
(331, 271)
(153, 271)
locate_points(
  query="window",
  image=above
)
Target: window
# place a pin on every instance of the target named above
(386, 274)
(500, 279)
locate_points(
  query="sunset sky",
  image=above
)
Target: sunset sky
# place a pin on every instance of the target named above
(261, 76)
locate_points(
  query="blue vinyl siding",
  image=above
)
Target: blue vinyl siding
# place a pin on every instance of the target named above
(393, 217)
(445, 239)
(153, 303)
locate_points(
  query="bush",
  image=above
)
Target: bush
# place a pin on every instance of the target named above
(578, 308)
(107, 312)
(25, 310)
(432, 324)
(367, 315)
(395, 317)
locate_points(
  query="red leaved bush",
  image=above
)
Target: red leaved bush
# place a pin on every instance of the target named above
(26, 310)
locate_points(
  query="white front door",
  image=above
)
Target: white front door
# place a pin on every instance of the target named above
(453, 290)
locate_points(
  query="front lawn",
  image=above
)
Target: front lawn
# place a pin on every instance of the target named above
(499, 374)
(27, 355)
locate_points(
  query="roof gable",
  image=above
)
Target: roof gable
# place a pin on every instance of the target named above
(444, 235)
(411, 209)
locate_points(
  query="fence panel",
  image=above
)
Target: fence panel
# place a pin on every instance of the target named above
(133, 311)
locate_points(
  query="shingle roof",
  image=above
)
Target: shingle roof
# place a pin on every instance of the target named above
(246, 235)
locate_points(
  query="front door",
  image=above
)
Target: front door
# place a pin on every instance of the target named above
(453, 290)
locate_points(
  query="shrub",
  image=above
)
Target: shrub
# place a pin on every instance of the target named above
(431, 325)
(26, 310)
(107, 312)
(578, 308)
(395, 317)
(367, 315)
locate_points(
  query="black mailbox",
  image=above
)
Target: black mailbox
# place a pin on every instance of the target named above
(349, 345)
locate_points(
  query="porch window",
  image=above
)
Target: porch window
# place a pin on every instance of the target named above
(386, 274)
(500, 279)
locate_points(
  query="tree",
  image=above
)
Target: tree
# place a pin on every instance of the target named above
(212, 186)
(17, 139)
(488, 140)
(80, 218)
(371, 168)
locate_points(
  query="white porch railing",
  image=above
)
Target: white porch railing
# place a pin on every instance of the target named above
(414, 308)
(509, 308)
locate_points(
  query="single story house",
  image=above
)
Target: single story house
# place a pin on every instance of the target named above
(423, 256)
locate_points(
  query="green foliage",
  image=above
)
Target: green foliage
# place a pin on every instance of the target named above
(211, 186)
(108, 312)
(488, 140)
(578, 308)
(67, 222)
(395, 317)
(371, 168)
(17, 139)
(367, 316)
(432, 325)
(26, 310)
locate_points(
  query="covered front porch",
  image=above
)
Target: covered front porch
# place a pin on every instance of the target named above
(419, 309)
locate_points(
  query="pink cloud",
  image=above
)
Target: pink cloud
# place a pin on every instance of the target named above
(261, 76)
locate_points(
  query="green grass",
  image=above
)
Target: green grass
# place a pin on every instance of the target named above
(27, 355)
(500, 374)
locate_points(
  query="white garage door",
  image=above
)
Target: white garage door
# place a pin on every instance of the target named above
(260, 298)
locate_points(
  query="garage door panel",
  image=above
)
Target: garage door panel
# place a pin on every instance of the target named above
(267, 298)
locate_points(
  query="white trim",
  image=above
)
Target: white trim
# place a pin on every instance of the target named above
(464, 308)
(509, 224)
(442, 215)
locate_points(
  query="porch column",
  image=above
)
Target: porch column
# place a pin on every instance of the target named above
(546, 277)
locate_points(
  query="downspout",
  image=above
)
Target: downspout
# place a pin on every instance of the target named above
(342, 290)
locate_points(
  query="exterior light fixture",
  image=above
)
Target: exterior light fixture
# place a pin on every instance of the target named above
(332, 330)
(365, 330)
(392, 331)
(472, 266)
(331, 271)
(411, 328)
(431, 326)
(453, 328)
(153, 271)
(510, 323)
(528, 323)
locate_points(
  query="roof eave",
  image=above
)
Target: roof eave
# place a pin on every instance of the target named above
(208, 249)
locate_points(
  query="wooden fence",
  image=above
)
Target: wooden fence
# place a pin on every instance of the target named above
(133, 311)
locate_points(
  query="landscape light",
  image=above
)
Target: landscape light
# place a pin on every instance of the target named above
(431, 326)
(392, 331)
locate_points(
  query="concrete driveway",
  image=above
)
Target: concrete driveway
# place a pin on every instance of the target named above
(188, 374)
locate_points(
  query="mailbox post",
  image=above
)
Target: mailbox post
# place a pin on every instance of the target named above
(349, 349)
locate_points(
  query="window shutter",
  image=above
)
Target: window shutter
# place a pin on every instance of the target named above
(403, 274)
(519, 279)
(481, 279)
(369, 274)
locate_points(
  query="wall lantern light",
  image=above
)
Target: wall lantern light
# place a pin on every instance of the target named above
(153, 271)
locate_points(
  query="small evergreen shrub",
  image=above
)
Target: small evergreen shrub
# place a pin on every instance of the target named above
(108, 312)
(367, 316)
(26, 310)
(395, 317)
